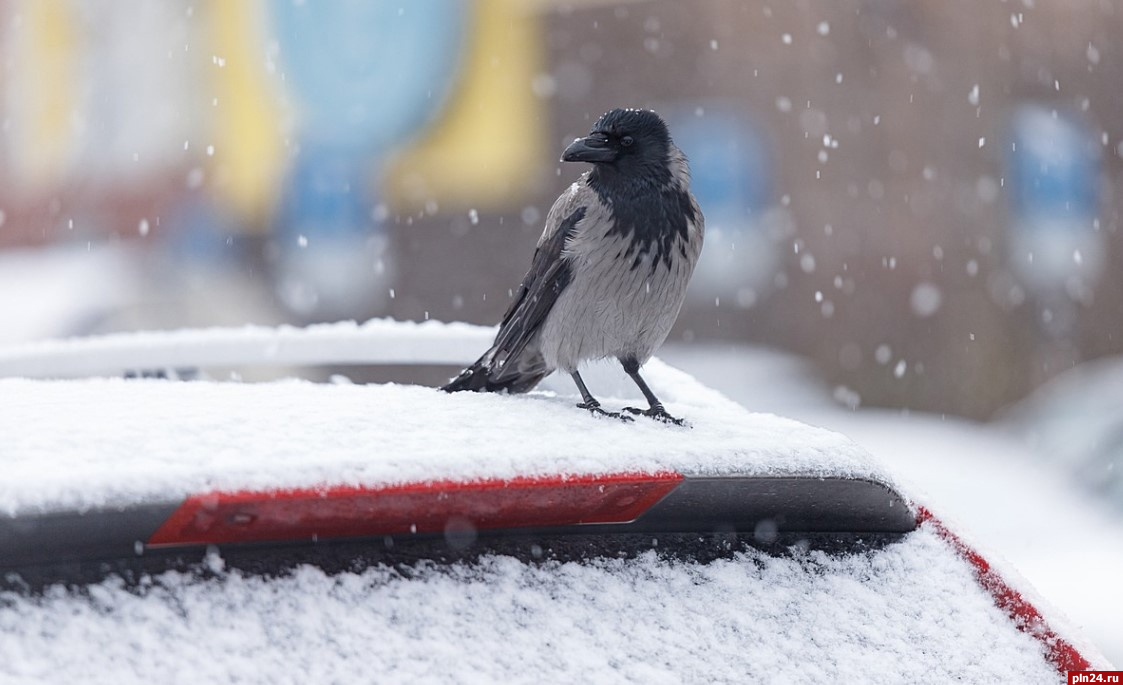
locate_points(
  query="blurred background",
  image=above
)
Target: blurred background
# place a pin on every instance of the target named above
(912, 206)
(922, 197)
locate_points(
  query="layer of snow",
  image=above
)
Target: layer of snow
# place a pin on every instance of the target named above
(62, 290)
(379, 341)
(1067, 545)
(1074, 420)
(760, 379)
(908, 613)
(86, 443)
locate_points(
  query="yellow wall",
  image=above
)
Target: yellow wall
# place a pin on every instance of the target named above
(494, 128)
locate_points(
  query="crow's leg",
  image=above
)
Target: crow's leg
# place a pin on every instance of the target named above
(655, 410)
(589, 402)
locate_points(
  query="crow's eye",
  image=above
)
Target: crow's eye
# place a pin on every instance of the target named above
(626, 141)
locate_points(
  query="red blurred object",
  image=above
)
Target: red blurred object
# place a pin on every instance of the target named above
(431, 507)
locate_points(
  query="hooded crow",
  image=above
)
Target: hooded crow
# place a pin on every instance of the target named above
(610, 271)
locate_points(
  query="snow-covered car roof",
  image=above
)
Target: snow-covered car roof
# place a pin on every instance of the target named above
(80, 444)
(903, 605)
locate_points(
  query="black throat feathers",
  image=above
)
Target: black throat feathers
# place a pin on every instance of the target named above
(653, 213)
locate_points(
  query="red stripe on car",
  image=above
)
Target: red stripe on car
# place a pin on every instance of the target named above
(1026, 617)
(427, 507)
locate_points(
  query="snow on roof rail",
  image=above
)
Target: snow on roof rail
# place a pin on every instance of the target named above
(378, 341)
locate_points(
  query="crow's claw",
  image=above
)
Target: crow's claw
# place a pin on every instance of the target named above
(658, 413)
(594, 409)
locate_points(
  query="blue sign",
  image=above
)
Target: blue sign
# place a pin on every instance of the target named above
(365, 75)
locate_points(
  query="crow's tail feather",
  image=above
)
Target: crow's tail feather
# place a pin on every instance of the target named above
(482, 377)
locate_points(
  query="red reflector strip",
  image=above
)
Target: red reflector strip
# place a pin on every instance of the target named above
(336, 512)
(1025, 616)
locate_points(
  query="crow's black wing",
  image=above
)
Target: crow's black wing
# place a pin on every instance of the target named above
(548, 276)
(508, 365)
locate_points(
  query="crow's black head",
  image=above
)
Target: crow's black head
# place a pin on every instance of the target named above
(640, 174)
(630, 141)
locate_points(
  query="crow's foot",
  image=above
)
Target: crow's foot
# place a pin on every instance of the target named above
(594, 409)
(658, 413)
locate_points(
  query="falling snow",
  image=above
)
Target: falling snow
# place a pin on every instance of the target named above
(883, 354)
(926, 299)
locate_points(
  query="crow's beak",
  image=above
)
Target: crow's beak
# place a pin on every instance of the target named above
(589, 149)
